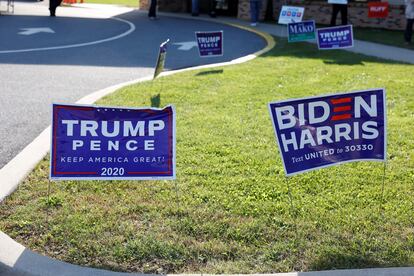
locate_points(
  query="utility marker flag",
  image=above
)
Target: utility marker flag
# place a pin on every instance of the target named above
(110, 143)
(210, 44)
(318, 132)
(162, 54)
(335, 37)
(301, 31)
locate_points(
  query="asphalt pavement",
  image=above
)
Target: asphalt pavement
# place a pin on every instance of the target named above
(86, 48)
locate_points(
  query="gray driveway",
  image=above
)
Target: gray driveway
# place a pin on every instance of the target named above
(110, 51)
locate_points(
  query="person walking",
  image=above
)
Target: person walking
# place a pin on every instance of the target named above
(340, 8)
(255, 11)
(409, 16)
(152, 10)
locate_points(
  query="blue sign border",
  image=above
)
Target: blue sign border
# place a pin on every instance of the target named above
(328, 95)
(154, 177)
(210, 32)
(335, 48)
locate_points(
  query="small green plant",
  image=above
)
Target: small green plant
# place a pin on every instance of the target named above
(52, 201)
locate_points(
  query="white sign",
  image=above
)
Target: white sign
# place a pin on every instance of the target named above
(343, 2)
(290, 14)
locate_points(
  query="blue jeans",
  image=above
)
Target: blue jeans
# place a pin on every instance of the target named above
(254, 11)
(408, 30)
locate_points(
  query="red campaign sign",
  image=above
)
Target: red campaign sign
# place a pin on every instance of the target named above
(377, 9)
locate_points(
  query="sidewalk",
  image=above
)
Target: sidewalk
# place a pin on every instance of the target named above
(360, 47)
(79, 10)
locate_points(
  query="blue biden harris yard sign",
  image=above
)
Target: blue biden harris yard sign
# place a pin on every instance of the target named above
(317, 132)
(91, 142)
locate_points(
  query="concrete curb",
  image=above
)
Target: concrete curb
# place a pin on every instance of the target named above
(17, 260)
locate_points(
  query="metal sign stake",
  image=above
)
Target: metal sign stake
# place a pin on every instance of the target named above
(382, 188)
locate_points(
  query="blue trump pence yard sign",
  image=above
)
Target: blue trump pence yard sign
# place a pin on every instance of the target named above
(92, 142)
(210, 44)
(338, 37)
(317, 132)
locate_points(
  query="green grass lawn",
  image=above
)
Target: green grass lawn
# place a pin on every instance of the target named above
(129, 3)
(387, 37)
(229, 209)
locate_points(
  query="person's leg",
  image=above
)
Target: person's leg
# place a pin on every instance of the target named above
(52, 11)
(52, 7)
(253, 11)
(258, 7)
(212, 4)
(335, 10)
(194, 7)
(408, 30)
(152, 9)
(344, 14)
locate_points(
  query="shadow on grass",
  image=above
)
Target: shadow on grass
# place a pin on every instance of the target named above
(211, 72)
(343, 260)
(343, 62)
(156, 101)
(355, 259)
(329, 57)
